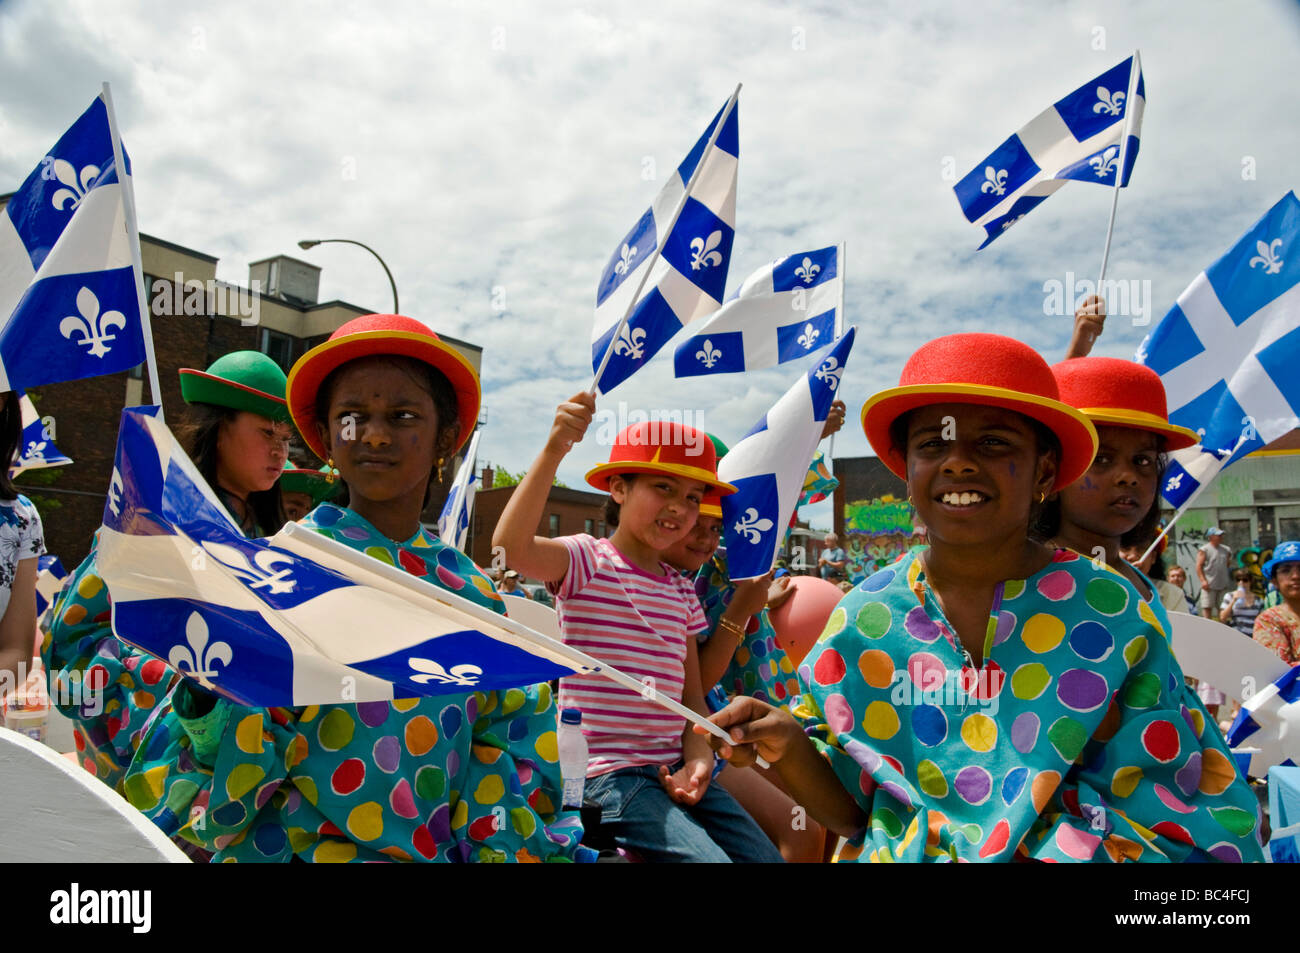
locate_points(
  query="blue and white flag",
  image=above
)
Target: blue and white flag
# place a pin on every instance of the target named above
(297, 619)
(50, 577)
(69, 305)
(1269, 721)
(1078, 138)
(1228, 350)
(782, 312)
(688, 276)
(769, 464)
(36, 449)
(453, 522)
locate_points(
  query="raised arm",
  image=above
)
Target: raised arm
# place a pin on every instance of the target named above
(533, 555)
(1088, 323)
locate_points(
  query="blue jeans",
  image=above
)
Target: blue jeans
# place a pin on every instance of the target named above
(637, 811)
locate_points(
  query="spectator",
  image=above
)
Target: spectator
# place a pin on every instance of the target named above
(22, 543)
(832, 560)
(1178, 577)
(510, 585)
(1241, 607)
(1278, 627)
(1212, 571)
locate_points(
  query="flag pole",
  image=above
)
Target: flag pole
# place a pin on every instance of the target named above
(672, 223)
(133, 239)
(1135, 71)
(839, 328)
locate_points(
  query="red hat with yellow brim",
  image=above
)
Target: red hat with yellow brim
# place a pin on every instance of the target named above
(711, 505)
(990, 370)
(662, 447)
(1117, 393)
(372, 335)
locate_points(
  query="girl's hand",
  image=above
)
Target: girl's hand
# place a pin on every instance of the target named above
(756, 728)
(834, 418)
(779, 592)
(572, 418)
(750, 597)
(689, 782)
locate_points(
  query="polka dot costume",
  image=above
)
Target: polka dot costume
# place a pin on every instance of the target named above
(450, 778)
(1076, 741)
(759, 666)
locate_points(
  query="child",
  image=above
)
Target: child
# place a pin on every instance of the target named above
(235, 428)
(622, 603)
(471, 777)
(988, 698)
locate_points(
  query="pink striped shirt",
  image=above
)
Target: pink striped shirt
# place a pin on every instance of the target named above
(639, 624)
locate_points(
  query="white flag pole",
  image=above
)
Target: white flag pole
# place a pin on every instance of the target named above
(663, 236)
(839, 328)
(1188, 502)
(133, 239)
(1134, 72)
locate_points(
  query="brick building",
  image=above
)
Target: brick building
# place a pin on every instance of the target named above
(567, 513)
(195, 320)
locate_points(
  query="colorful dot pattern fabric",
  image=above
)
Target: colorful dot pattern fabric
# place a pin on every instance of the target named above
(759, 667)
(106, 687)
(470, 777)
(1076, 741)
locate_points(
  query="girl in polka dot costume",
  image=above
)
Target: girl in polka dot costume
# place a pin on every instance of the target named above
(472, 777)
(988, 698)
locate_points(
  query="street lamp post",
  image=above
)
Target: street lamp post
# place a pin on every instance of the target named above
(304, 245)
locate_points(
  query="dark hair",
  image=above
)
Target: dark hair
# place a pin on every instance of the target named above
(1045, 442)
(197, 433)
(612, 508)
(11, 437)
(433, 382)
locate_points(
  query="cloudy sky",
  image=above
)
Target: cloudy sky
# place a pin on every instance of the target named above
(494, 153)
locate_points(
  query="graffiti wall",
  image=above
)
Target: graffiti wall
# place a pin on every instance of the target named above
(877, 531)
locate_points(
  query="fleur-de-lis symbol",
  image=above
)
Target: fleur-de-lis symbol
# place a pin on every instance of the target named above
(809, 335)
(1174, 483)
(1141, 355)
(1103, 163)
(115, 493)
(1108, 102)
(830, 372)
(261, 572)
(465, 675)
(702, 251)
(630, 341)
(807, 271)
(66, 173)
(198, 660)
(708, 354)
(995, 181)
(751, 527)
(35, 451)
(1267, 257)
(93, 326)
(624, 264)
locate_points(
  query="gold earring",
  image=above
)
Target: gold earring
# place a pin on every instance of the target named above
(1042, 497)
(909, 502)
(329, 475)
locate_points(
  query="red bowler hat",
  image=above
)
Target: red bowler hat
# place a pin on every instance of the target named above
(660, 446)
(711, 505)
(987, 369)
(368, 336)
(1119, 393)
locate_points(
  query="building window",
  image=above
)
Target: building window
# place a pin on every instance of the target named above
(601, 524)
(555, 525)
(278, 347)
(589, 527)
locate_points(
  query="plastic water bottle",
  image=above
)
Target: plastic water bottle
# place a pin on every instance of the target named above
(573, 756)
(26, 710)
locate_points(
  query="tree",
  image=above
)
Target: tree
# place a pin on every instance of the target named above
(503, 477)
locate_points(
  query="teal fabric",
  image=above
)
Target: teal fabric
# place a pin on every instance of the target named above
(1076, 741)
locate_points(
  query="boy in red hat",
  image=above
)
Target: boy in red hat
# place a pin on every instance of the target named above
(987, 698)
(619, 601)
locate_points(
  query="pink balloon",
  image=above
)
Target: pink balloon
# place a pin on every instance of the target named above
(800, 619)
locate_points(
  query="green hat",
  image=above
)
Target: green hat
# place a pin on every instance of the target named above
(320, 484)
(242, 380)
(719, 448)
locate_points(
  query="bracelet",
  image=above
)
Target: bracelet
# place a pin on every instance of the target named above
(737, 630)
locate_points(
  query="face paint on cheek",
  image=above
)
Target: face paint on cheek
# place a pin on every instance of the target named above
(1087, 483)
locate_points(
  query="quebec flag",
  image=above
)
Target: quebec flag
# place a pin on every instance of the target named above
(50, 577)
(1228, 350)
(769, 465)
(1078, 138)
(782, 312)
(1269, 721)
(36, 449)
(689, 274)
(69, 306)
(297, 619)
(453, 522)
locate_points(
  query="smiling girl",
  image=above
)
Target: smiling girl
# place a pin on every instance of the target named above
(468, 777)
(989, 698)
